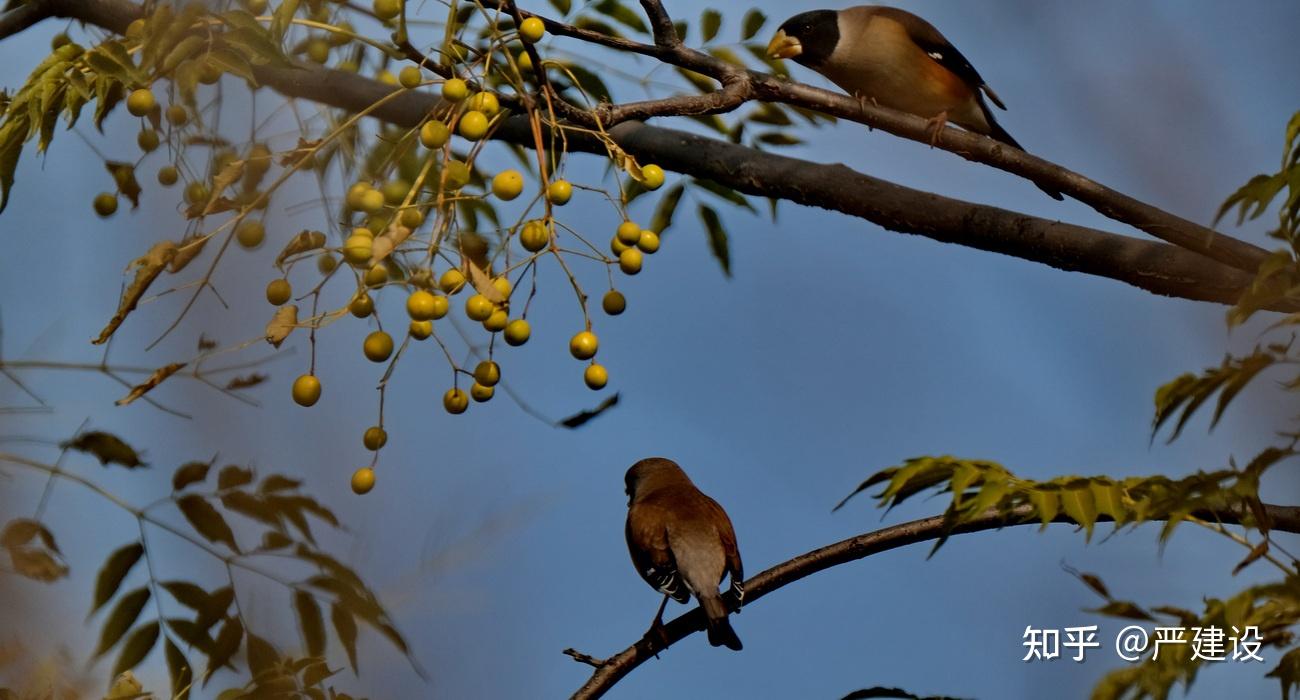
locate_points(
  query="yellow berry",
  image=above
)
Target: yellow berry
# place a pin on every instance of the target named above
(584, 345)
(487, 373)
(455, 90)
(455, 401)
(363, 480)
(648, 242)
(629, 261)
(357, 248)
(387, 9)
(410, 218)
(486, 103)
(372, 200)
(147, 140)
(508, 184)
(374, 438)
(478, 308)
(168, 175)
(410, 77)
(378, 346)
(177, 115)
(196, 193)
(377, 275)
(306, 390)
(325, 263)
(105, 204)
(250, 233)
(318, 50)
(560, 192)
(395, 191)
(355, 194)
(628, 233)
(140, 102)
(497, 321)
(278, 291)
(614, 303)
(361, 305)
(501, 284)
(420, 330)
(457, 174)
(473, 125)
(420, 305)
(531, 30)
(434, 134)
(595, 376)
(534, 236)
(517, 332)
(452, 281)
(524, 61)
(482, 393)
(617, 246)
(652, 177)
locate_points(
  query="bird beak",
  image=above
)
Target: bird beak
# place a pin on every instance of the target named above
(783, 46)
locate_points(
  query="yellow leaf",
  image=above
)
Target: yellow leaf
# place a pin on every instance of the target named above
(282, 324)
(158, 376)
(148, 269)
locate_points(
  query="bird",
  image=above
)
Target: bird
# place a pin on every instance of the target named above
(897, 60)
(682, 543)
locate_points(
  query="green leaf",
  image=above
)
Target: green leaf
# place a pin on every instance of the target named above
(346, 629)
(262, 656)
(178, 669)
(717, 237)
(1046, 502)
(278, 482)
(188, 594)
(590, 83)
(12, 136)
(280, 20)
(1078, 503)
(224, 647)
(562, 6)
(115, 569)
(622, 14)
(1287, 672)
(752, 23)
(123, 616)
(663, 216)
(124, 175)
(206, 520)
(1123, 609)
(710, 23)
(311, 622)
(137, 646)
(779, 138)
(724, 193)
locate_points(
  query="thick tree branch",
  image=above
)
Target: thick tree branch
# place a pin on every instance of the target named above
(22, 17)
(613, 669)
(1159, 268)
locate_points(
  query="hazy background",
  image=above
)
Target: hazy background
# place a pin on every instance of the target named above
(837, 349)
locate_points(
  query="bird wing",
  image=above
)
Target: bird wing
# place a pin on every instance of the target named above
(647, 542)
(735, 569)
(937, 46)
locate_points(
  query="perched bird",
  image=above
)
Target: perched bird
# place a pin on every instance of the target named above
(681, 543)
(897, 60)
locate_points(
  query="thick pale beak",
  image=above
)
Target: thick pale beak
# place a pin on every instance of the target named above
(783, 46)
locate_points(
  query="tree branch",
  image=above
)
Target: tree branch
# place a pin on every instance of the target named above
(1158, 268)
(22, 17)
(1285, 519)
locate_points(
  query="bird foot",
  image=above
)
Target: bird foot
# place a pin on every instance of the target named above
(656, 637)
(935, 126)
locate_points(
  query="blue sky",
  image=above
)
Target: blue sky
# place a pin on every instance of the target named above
(837, 349)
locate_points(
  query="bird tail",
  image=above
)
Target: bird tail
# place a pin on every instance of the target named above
(720, 632)
(997, 133)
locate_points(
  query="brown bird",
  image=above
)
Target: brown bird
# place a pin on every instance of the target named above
(897, 60)
(681, 543)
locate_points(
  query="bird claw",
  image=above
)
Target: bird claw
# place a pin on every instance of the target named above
(656, 637)
(935, 125)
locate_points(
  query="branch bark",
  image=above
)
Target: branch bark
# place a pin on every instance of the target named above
(610, 671)
(1187, 270)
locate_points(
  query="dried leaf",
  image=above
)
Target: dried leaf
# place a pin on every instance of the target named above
(232, 476)
(37, 564)
(189, 473)
(186, 252)
(282, 324)
(482, 282)
(303, 242)
(148, 268)
(246, 382)
(582, 417)
(107, 448)
(124, 175)
(154, 380)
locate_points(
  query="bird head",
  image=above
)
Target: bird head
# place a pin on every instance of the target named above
(651, 474)
(808, 38)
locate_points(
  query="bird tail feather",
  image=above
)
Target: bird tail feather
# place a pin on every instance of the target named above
(720, 632)
(997, 133)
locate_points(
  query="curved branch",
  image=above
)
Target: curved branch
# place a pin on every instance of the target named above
(610, 671)
(1156, 267)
